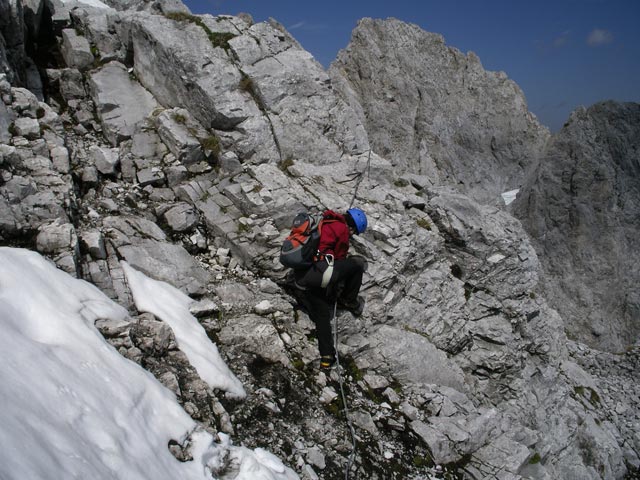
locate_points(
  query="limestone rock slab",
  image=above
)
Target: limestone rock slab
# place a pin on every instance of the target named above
(167, 262)
(121, 102)
(76, 50)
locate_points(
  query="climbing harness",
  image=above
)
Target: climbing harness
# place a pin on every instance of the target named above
(327, 274)
(345, 407)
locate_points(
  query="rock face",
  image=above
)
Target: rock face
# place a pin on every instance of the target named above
(582, 209)
(186, 148)
(434, 111)
(156, 6)
(12, 54)
(112, 87)
(217, 69)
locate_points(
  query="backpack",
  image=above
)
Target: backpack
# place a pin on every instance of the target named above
(301, 245)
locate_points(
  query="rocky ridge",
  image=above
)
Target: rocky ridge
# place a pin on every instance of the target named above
(434, 111)
(581, 210)
(190, 163)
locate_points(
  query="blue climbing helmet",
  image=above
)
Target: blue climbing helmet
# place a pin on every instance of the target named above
(359, 219)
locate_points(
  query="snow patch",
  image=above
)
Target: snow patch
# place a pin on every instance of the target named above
(73, 407)
(173, 307)
(91, 3)
(510, 196)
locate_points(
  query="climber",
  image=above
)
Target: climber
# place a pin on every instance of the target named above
(345, 280)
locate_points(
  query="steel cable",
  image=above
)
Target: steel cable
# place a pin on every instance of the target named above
(345, 407)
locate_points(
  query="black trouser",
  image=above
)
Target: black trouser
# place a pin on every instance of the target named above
(346, 279)
(320, 309)
(319, 302)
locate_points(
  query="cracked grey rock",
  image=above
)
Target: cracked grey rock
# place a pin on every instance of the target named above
(581, 209)
(181, 217)
(76, 50)
(121, 102)
(443, 116)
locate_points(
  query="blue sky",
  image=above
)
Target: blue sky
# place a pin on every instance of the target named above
(562, 53)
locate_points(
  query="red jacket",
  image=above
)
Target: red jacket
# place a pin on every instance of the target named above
(334, 236)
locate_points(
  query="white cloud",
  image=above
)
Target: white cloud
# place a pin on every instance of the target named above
(599, 37)
(561, 40)
(303, 25)
(297, 25)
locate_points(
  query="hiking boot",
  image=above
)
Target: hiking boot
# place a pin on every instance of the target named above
(327, 362)
(356, 308)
